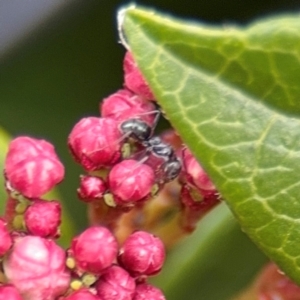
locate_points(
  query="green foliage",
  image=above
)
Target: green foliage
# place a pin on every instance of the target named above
(232, 94)
(4, 140)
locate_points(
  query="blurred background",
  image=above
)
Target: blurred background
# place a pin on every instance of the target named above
(59, 58)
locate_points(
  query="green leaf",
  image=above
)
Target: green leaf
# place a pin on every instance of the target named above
(212, 263)
(230, 92)
(67, 226)
(4, 140)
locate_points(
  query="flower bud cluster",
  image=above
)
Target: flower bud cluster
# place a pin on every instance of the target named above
(126, 164)
(34, 267)
(32, 168)
(33, 264)
(100, 267)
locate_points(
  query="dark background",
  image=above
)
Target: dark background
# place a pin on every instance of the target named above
(59, 72)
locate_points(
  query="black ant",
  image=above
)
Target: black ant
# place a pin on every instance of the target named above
(172, 165)
(141, 132)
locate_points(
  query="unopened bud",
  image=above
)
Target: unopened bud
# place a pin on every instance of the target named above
(94, 250)
(32, 167)
(124, 105)
(134, 80)
(142, 254)
(146, 291)
(36, 267)
(115, 284)
(130, 181)
(194, 174)
(91, 188)
(43, 218)
(95, 142)
(273, 284)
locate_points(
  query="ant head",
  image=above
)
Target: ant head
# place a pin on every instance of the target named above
(136, 129)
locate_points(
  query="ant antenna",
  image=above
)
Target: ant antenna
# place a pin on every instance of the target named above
(157, 112)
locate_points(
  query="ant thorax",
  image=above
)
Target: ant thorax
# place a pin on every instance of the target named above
(157, 147)
(161, 157)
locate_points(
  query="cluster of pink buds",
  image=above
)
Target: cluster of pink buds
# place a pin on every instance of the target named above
(126, 164)
(32, 169)
(130, 187)
(108, 272)
(34, 267)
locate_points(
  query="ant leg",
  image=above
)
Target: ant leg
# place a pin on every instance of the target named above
(124, 136)
(144, 159)
(155, 121)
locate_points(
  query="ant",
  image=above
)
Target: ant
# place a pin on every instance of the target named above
(141, 132)
(172, 165)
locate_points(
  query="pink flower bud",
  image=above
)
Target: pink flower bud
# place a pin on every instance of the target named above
(273, 284)
(95, 142)
(195, 175)
(5, 238)
(94, 250)
(43, 218)
(146, 291)
(130, 181)
(115, 284)
(142, 254)
(9, 292)
(32, 146)
(195, 200)
(91, 188)
(36, 267)
(82, 294)
(32, 167)
(124, 105)
(134, 79)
